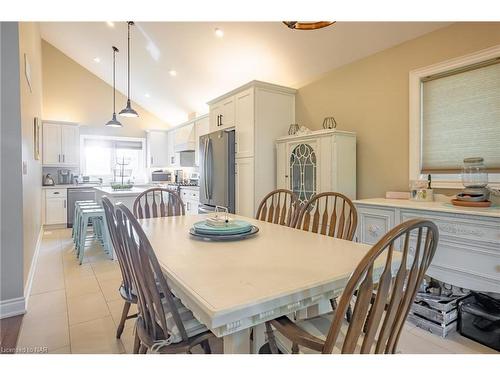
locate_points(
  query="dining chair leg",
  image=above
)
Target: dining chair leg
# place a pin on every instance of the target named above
(271, 339)
(206, 347)
(295, 348)
(137, 343)
(121, 326)
(143, 349)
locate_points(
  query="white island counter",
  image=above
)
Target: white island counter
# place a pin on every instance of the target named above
(126, 197)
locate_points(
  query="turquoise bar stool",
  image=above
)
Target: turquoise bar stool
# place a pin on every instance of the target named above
(77, 217)
(98, 220)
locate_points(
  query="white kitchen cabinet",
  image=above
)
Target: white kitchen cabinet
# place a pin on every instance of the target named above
(321, 161)
(60, 144)
(55, 206)
(244, 123)
(260, 113)
(173, 157)
(202, 127)
(244, 186)
(222, 114)
(158, 155)
(191, 198)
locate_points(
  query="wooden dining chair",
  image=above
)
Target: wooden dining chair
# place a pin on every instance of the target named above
(331, 214)
(376, 325)
(126, 290)
(280, 206)
(164, 324)
(158, 202)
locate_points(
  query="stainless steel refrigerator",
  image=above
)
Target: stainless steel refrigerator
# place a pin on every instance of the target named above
(217, 171)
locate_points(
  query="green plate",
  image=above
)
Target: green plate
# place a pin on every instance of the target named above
(234, 227)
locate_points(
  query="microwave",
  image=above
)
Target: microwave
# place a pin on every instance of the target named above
(161, 176)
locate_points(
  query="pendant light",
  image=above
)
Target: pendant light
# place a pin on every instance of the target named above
(114, 123)
(297, 25)
(128, 111)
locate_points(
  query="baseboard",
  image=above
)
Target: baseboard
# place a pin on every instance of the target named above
(12, 307)
(31, 274)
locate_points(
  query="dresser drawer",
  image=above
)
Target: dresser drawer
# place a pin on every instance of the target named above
(55, 193)
(373, 224)
(471, 229)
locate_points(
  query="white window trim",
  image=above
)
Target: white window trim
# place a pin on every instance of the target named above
(415, 112)
(83, 137)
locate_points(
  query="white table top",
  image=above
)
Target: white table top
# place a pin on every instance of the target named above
(493, 211)
(237, 283)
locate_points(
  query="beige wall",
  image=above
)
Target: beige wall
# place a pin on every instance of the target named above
(370, 97)
(72, 93)
(31, 107)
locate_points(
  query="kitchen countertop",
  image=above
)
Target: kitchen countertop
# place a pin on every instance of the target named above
(190, 187)
(70, 186)
(122, 193)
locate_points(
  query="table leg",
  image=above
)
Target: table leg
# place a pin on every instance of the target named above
(237, 343)
(259, 337)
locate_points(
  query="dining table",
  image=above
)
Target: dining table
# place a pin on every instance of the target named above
(234, 287)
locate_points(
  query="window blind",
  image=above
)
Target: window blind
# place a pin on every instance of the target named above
(461, 118)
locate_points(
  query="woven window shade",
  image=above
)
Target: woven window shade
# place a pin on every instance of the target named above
(461, 118)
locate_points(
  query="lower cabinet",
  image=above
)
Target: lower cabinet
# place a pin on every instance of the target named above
(191, 199)
(55, 206)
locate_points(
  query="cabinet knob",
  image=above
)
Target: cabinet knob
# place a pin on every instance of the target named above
(286, 176)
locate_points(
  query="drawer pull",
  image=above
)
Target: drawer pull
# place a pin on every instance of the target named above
(56, 192)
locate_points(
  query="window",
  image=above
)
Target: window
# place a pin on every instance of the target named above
(455, 114)
(102, 157)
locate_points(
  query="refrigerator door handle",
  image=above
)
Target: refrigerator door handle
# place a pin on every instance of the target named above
(209, 163)
(205, 165)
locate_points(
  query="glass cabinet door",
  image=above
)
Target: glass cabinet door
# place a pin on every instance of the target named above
(303, 171)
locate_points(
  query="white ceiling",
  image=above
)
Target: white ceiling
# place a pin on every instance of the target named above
(208, 66)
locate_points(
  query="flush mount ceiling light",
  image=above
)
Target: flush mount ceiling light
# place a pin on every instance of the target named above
(114, 123)
(97, 59)
(297, 25)
(128, 111)
(173, 73)
(219, 32)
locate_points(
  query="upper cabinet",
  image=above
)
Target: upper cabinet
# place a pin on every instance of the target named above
(222, 114)
(158, 155)
(201, 127)
(60, 144)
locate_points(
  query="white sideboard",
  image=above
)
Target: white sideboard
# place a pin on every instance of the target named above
(468, 253)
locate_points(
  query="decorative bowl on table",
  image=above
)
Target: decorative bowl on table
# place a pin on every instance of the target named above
(222, 228)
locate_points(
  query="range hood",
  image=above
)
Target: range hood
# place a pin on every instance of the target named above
(184, 139)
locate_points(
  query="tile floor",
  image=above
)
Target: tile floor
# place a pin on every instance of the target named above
(75, 308)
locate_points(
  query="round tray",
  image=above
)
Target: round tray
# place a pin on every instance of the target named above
(224, 237)
(457, 202)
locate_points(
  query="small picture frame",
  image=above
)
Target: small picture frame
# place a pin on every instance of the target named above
(36, 138)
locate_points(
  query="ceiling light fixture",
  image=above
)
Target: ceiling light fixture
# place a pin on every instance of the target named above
(110, 24)
(219, 32)
(128, 111)
(114, 123)
(97, 59)
(172, 72)
(297, 25)
(147, 95)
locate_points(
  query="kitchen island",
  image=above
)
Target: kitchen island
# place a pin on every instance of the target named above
(127, 197)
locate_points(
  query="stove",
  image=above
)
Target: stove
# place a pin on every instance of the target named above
(176, 186)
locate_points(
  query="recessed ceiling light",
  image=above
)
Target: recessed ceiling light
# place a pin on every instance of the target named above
(147, 95)
(97, 59)
(219, 33)
(110, 24)
(173, 73)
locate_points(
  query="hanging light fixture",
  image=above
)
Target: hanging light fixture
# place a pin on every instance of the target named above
(296, 25)
(128, 111)
(114, 123)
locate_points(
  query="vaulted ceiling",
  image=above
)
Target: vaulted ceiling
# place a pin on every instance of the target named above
(207, 65)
